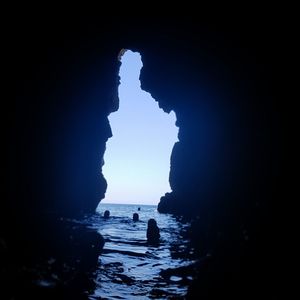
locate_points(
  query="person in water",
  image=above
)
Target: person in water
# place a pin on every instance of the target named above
(106, 214)
(152, 232)
(135, 217)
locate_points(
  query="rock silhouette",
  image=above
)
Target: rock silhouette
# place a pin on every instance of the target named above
(225, 170)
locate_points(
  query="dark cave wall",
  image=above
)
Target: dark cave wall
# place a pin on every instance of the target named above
(63, 87)
(64, 84)
(218, 78)
(220, 88)
(225, 169)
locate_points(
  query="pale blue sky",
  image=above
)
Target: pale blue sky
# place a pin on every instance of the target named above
(137, 157)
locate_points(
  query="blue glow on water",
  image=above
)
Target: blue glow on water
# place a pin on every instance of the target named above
(127, 254)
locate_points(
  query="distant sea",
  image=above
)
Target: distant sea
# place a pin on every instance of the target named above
(128, 267)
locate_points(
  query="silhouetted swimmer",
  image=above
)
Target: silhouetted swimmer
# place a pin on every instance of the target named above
(135, 217)
(106, 214)
(139, 208)
(152, 232)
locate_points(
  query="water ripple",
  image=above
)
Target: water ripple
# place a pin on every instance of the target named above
(131, 269)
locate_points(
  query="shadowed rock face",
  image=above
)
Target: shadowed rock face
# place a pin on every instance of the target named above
(63, 80)
(64, 84)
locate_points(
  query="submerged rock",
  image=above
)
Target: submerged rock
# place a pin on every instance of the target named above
(126, 279)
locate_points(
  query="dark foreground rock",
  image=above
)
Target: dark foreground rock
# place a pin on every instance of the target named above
(52, 258)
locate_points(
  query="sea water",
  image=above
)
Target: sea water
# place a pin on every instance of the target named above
(129, 268)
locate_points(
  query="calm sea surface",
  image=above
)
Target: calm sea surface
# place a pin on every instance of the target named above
(129, 268)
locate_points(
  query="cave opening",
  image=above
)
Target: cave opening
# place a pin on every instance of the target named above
(137, 156)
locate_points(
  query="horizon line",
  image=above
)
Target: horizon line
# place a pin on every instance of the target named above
(126, 203)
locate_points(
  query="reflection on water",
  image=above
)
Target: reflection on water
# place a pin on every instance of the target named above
(129, 268)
